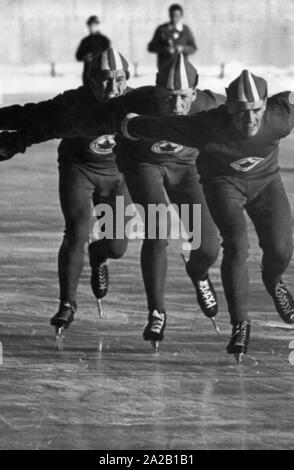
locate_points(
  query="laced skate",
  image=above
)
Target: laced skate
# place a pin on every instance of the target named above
(206, 295)
(284, 302)
(239, 341)
(62, 319)
(155, 328)
(99, 277)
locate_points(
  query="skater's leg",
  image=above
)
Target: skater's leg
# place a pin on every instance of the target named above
(75, 198)
(154, 269)
(271, 214)
(185, 188)
(226, 204)
(110, 190)
(146, 186)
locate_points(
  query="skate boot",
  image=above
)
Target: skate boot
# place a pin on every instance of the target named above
(206, 295)
(99, 277)
(155, 328)
(239, 341)
(62, 319)
(283, 301)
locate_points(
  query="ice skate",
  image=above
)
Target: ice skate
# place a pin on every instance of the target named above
(206, 296)
(154, 330)
(239, 341)
(62, 319)
(284, 302)
(99, 277)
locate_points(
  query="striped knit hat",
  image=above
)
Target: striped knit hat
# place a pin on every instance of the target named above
(247, 91)
(177, 74)
(111, 60)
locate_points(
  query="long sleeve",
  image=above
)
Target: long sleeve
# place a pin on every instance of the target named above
(15, 117)
(81, 51)
(88, 121)
(185, 130)
(280, 113)
(18, 117)
(286, 101)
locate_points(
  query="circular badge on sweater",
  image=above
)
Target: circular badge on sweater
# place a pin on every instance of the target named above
(166, 147)
(103, 144)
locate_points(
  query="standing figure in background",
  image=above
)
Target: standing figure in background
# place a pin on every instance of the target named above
(172, 37)
(94, 43)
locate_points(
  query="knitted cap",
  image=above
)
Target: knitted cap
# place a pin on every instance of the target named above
(110, 59)
(177, 74)
(248, 91)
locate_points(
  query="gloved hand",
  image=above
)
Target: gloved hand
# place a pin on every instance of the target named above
(10, 144)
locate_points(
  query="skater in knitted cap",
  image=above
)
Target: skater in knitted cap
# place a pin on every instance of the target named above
(88, 175)
(157, 172)
(238, 165)
(160, 172)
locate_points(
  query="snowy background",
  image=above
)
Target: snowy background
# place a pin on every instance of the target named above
(36, 79)
(256, 34)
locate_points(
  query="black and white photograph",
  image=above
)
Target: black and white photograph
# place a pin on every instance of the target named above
(146, 228)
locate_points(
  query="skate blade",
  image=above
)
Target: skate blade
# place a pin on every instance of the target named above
(155, 345)
(100, 312)
(184, 258)
(239, 357)
(215, 325)
(59, 338)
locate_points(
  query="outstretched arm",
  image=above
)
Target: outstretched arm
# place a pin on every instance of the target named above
(83, 124)
(17, 117)
(88, 122)
(185, 130)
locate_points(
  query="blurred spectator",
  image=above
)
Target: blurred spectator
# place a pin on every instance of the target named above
(94, 43)
(170, 38)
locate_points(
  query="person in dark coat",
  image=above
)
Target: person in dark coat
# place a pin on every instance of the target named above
(172, 37)
(94, 43)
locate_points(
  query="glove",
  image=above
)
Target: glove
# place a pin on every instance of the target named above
(10, 144)
(4, 155)
(124, 125)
